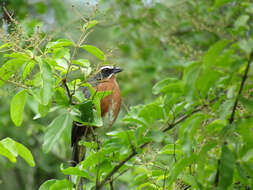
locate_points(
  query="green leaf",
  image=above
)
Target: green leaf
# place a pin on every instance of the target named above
(219, 3)
(93, 159)
(225, 109)
(171, 149)
(202, 160)
(59, 53)
(77, 74)
(244, 128)
(161, 84)
(46, 185)
(246, 45)
(188, 131)
(55, 130)
(94, 51)
(62, 184)
(18, 149)
(9, 68)
(25, 154)
(214, 52)
(19, 55)
(179, 167)
(208, 81)
(241, 21)
(46, 91)
(151, 113)
(17, 107)
(97, 96)
(86, 109)
(191, 74)
(5, 152)
(44, 109)
(247, 103)
(227, 166)
(4, 45)
(97, 121)
(147, 185)
(126, 137)
(135, 120)
(60, 97)
(28, 68)
(91, 144)
(177, 87)
(215, 126)
(76, 171)
(90, 24)
(82, 62)
(59, 43)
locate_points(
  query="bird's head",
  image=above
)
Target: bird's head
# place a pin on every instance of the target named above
(106, 72)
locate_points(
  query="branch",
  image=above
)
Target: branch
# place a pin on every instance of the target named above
(70, 95)
(164, 180)
(231, 120)
(111, 185)
(134, 152)
(117, 167)
(15, 83)
(181, 119)
(241, 88)
(217, 175)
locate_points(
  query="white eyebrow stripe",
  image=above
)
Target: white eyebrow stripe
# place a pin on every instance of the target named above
(106, 67)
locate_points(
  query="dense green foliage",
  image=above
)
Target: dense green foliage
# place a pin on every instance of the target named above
(186, 120)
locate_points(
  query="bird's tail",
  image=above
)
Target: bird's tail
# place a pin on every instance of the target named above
(78, 154)
(78, 151)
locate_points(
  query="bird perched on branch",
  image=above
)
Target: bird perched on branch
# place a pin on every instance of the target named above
(104, 80)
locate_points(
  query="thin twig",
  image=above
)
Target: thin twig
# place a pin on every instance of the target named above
(116, 168)
(231, 120)
(15, 83)
(217, 174)
(98, 166)
(181, 119)
(70, 95)
(164, 179)
(121, 173)
(111, 185)
(241, 88)
(134, 152)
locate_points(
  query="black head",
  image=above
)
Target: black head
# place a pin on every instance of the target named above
(107, 71)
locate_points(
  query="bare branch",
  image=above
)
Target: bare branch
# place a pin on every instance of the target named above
(244, 78)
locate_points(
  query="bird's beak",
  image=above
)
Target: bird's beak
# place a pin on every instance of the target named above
(117, 70)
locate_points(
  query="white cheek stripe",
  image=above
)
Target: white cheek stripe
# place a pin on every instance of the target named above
(110, 76)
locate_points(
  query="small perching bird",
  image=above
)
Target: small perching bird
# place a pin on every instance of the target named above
(104, 80)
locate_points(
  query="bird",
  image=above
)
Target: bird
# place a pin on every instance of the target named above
(104, 80)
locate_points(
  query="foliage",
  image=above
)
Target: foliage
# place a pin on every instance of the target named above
(188, 63)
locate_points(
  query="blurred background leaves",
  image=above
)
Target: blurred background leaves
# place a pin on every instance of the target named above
(196, 49)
